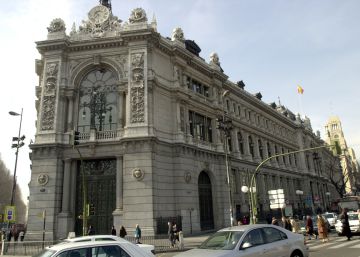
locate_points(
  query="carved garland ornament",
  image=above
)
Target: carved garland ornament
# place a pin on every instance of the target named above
(49, 97)
(137, 15)
(56, 25)
(137, 91)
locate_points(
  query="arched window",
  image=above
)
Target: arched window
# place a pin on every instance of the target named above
(251, 146)
(240, 142)
(98, 101)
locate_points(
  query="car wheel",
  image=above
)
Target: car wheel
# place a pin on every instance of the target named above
(296, 253)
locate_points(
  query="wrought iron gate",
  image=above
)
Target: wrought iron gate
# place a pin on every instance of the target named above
(100, 185)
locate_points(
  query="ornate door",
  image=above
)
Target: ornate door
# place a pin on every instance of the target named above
(205, 202)
(100, 187)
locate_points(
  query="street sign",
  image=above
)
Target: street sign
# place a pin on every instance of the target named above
(275, 201)
(280, 191)
(277, 206)
(272, 192)
(10, 214)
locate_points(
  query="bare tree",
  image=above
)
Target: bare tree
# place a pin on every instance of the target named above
(338, 177)
(6, 184)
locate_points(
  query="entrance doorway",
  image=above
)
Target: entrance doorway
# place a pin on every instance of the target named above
(100, 185)
(205, 202)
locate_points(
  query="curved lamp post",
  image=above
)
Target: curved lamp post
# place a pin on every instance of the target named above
(253, 178)
(329, 203)
(19, 143)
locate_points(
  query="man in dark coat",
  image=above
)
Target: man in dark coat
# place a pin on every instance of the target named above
(345, 224)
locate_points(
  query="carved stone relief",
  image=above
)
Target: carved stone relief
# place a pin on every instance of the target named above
(137, 15)
(177, 34)
(56, 25)
(137, 92)
(49, 97)
(182, 119)
(137, 105)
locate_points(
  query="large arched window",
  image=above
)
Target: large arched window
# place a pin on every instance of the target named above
(98, 101)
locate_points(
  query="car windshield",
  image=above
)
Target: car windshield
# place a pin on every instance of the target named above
(45, 253)
(353, 216)
(328, 215)
(223, 240)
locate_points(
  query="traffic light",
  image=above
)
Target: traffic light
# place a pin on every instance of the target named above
(76, 138)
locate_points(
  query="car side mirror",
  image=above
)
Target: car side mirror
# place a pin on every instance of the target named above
(246, 245)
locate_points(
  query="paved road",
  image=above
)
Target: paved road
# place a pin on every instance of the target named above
(336, 247)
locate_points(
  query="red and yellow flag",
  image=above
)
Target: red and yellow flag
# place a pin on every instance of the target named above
(300, 89)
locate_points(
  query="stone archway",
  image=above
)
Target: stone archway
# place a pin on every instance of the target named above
(205, 202)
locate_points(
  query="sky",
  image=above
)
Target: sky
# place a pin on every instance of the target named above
(272, 45)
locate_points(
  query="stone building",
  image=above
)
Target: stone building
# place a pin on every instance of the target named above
(146, 109)
(349, 164)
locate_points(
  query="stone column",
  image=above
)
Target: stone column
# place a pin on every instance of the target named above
(236, 143)
(70, 111)
(265, 150)
(247, 155)
(274, 161)
(121, 103)
(256, 149)
(65, 217)
(118, 212)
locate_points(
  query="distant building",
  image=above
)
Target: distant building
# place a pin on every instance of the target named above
(349, 164)
(147, 109)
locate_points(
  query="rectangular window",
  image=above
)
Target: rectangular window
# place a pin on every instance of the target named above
(197, 87)
(200, 126)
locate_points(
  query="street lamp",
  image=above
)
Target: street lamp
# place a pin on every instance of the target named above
(225, 124)
(329, 203)
(19, 143)
(245, 189)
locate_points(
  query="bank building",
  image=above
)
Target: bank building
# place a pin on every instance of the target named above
(154, 119)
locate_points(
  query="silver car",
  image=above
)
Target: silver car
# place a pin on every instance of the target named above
(251, 241)
(148, 248)
(94, 249)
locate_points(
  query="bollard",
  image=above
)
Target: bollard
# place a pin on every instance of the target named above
(181, 240)
(3, 244)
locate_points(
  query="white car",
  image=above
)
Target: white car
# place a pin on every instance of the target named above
(251, 241)
(331, 218)
(148, 248)
(353, 222)
(94, 249)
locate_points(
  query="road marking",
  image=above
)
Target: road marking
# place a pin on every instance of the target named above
(321, 245)
(343, 244)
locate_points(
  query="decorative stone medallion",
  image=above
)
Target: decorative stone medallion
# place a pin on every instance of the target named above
(43, 179)
(138, 174)
(187, 176)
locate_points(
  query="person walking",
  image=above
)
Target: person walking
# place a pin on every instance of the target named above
(322, 228)
(274, 221)
(122, 232)
(345, 224)
(137, 234)
(91, 231)
(171, 233)
(295, 225)
(309, 226)
(22, 235)
(286, 223)
(113, 231)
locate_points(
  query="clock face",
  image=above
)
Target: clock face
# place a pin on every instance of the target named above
(99, 14)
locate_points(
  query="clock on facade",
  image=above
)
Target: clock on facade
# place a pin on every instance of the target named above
(99, 14)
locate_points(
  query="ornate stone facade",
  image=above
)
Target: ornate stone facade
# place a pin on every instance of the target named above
(157, 128)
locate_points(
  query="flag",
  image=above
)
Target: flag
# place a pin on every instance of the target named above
(300, 89)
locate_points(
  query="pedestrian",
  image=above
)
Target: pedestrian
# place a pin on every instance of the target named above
(239, 223)
(91, 231)
(22, 235)
(286, 223)
(274, 221)
(295, 225)
(113, 231)
(137, 234)
(175, 232)
(244, 220)
(322, 228)
(309, 226)
(122, 232)
(171, 233)
(345, 224)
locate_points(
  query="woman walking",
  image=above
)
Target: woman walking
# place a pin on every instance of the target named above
(122, 232)
(322, 228)
(137, 234)
(345, 224)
